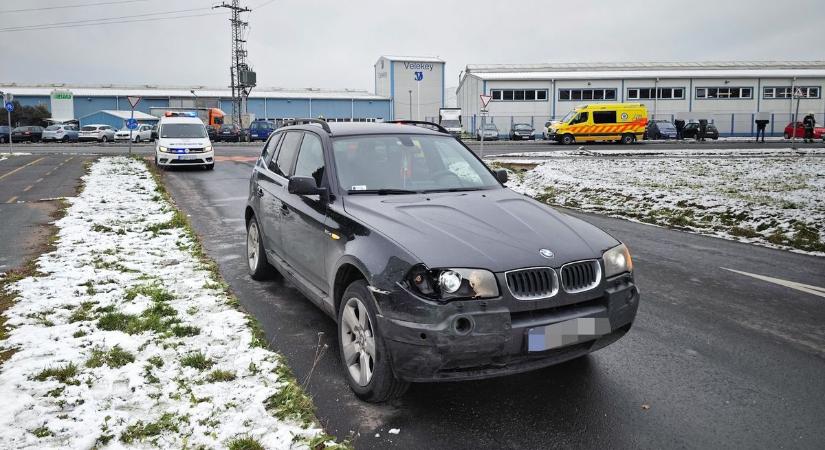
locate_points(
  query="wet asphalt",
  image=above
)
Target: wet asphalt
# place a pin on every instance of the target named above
(716, 359)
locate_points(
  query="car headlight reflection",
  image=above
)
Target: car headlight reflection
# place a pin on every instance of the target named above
(617, 260)
(453, 283)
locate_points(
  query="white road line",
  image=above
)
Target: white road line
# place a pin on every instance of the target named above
(815, 290)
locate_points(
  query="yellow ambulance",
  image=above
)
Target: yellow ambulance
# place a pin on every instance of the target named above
(622, 122)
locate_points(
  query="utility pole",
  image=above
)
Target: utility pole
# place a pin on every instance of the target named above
(242, 79)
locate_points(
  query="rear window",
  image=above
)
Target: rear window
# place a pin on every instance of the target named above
(52, 127)
(88, 128)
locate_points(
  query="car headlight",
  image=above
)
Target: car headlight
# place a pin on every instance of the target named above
(163, 149)
(617, 260)
(207, 149)
(452, 283)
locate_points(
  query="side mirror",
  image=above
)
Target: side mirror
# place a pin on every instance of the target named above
(501, 175)
(305, 186)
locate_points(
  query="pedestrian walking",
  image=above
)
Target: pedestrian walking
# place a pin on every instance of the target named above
(680, 126)
(808, 123)
(703, 130)
(761, 124)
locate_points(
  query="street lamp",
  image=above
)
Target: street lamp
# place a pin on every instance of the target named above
(192, 91)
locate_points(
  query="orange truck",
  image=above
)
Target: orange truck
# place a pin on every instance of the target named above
(209, 116)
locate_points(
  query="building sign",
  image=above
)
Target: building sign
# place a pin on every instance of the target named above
(418, 66)
(62, 106)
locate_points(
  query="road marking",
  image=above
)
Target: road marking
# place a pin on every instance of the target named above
(22, 167)
(28, 188)
(11, 200)
(815, 290)
(38, 180)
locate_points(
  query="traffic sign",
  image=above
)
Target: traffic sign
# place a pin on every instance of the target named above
(133, 101)
(9, 106)
(798, 93)
(419, 76)
(131, 124)
(485, 99)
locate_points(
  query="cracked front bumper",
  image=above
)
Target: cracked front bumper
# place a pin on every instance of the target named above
(478, 339)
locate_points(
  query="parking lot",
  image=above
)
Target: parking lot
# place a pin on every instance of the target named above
(719, 356)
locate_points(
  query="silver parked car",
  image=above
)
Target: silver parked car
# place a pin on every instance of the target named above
(490, 132)
(97, 132)
(61, 133)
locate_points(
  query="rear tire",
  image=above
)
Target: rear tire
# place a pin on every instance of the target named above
(259, 267)
(568, 139)
(104, 139)
(628, 139)
(787, 136)
(362, 348)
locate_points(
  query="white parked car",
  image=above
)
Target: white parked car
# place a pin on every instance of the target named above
(141, 133)
(95, 132)
(60, 132)
(183, 141)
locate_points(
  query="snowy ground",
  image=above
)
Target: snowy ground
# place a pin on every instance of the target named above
(776, 201)
(125, 338)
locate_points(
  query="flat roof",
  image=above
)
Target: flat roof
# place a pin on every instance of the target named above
(649, 74)
(155, 91)
(431, 59)
(646, 66)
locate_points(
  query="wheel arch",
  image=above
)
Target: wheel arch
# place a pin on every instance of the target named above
(349, 270)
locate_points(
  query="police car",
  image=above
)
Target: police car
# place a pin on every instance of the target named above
(183, 141)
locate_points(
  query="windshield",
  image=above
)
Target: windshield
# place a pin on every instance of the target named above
(665, 126)
(523, 126)
(450, 123)
(406, 164)
(183, 130)
(567, 117)
(490, 127)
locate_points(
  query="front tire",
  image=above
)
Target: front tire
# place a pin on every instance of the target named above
(259, 268)
(104, 139)
(568, 139)
(364, 355)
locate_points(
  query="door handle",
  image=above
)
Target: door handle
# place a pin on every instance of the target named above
(260, 192)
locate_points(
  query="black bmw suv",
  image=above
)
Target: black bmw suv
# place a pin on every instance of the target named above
(431, 267)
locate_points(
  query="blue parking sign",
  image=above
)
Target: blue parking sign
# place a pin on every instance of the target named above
(9, 106)
(131, 124)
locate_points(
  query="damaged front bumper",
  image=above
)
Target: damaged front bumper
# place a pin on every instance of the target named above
(478, 339)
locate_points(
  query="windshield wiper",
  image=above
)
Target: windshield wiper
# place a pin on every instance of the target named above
(382, 191)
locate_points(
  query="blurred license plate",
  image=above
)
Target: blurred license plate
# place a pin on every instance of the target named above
(566, 333)
(187, 156)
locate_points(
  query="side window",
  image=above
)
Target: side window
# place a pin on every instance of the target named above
(270, 147)
(282, 163)
(311, 159)
(604, 116)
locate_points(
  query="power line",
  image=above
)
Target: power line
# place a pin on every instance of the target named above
(74, 22)
(114, 22)
(81, 5)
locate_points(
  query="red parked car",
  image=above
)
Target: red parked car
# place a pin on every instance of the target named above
(800, 131)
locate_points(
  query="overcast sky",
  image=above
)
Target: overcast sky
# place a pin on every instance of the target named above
(334, 43)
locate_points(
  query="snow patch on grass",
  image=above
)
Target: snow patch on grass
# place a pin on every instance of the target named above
(771, 201)
(124, 337)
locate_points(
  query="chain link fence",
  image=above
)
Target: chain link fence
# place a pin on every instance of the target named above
(728, 124)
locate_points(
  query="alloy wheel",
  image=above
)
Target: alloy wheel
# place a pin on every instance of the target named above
(252, 245)
(358, 341)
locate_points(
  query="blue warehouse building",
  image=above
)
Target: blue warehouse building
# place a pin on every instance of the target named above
(78, 102)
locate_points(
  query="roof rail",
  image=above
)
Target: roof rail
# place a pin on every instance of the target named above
(422, 124)
(321, 122)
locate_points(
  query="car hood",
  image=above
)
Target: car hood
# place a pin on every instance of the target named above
(495, 229)
(183, 143)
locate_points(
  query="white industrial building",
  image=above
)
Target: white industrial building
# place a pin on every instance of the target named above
(730, 94)
(415, 85)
